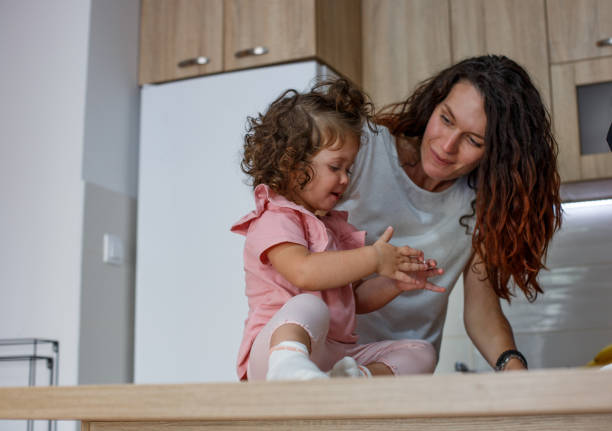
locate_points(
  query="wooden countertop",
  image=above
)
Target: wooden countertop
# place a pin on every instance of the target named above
(523, 393)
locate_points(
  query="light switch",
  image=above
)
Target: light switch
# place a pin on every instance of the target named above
(113, 249)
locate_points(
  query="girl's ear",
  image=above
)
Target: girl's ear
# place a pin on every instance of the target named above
(301, 175)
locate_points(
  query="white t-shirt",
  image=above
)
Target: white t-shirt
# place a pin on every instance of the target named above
(380, 194)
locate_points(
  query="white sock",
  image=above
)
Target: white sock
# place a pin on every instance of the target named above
(289, 360)
(348, 367)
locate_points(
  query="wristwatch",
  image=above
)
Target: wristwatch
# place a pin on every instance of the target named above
(506, 356)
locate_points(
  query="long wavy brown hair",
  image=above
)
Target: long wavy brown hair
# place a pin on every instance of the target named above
(279, 145)
(517, 207)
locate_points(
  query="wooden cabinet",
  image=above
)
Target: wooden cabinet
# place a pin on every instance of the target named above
(573, 165)
(408, 41)
(404, 42)
(286, 28)
(238, 34)
(177, 31)
(514, 28)
(574, 30)
(575, 27)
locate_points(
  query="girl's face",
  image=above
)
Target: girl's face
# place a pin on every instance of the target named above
(453, 142)
(331, 172)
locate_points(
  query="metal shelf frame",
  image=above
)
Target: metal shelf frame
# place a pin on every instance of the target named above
(33, 357)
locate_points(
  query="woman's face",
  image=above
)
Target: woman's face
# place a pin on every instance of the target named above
(453, 142)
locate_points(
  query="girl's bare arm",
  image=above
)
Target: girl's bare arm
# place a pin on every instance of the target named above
(330, 269)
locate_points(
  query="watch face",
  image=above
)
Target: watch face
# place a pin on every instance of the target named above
(609, 138)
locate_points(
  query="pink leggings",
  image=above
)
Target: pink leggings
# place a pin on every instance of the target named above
(312, 314)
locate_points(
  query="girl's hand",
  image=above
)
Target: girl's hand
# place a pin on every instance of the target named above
(398, 263)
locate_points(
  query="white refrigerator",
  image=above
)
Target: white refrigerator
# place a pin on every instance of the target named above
(190, 302)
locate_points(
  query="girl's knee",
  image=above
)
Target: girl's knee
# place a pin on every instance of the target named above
(429, 357)
(425, 356)
(308, 311)
(307, 304)
(415, 357)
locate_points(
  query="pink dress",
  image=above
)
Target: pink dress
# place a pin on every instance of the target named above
(276, 220)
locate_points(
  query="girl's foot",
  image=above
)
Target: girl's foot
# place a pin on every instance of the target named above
(348, 367)
(289, 360)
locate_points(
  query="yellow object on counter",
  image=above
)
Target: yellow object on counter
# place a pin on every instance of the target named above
(604, 357)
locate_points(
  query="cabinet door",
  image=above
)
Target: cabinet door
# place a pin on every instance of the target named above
(575, 27)
(338, 27)
(174, 32)
(285, 28)
(573, 165)
(514, 28)
(404, 42)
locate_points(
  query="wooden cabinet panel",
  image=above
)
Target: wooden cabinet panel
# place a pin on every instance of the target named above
(338, 24)
(285, 27)
(514, 28)
(404, 42)
(559, 422)
(573, 166)
(178, 30)
(574, 27)
(561, 399)
(293, 30)
(173, 31)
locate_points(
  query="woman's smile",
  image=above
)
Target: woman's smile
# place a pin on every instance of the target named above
(438, 159)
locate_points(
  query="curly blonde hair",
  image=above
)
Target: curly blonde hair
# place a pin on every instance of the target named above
(295, 127)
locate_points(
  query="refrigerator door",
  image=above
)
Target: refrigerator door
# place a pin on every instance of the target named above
(190, 302)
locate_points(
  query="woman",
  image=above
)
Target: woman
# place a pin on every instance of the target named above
(465, 170)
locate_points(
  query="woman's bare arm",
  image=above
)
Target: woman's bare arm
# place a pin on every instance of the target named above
(483, 317)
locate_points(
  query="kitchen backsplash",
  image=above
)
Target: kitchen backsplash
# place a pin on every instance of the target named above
(572, 321)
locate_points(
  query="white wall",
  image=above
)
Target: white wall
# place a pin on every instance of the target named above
(69, 118)
(110, 158)
(42, 88)
(110, 165)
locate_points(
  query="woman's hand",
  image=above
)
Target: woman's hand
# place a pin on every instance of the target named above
(376, 292)
(398, 263)
(419, 279)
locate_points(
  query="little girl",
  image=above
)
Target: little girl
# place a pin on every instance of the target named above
(303, 261)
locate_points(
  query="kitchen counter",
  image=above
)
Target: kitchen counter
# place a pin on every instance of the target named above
(535, 400)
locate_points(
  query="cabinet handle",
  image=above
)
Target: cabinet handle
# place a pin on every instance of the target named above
(198, 61)
(605, 42)
(258, 50)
